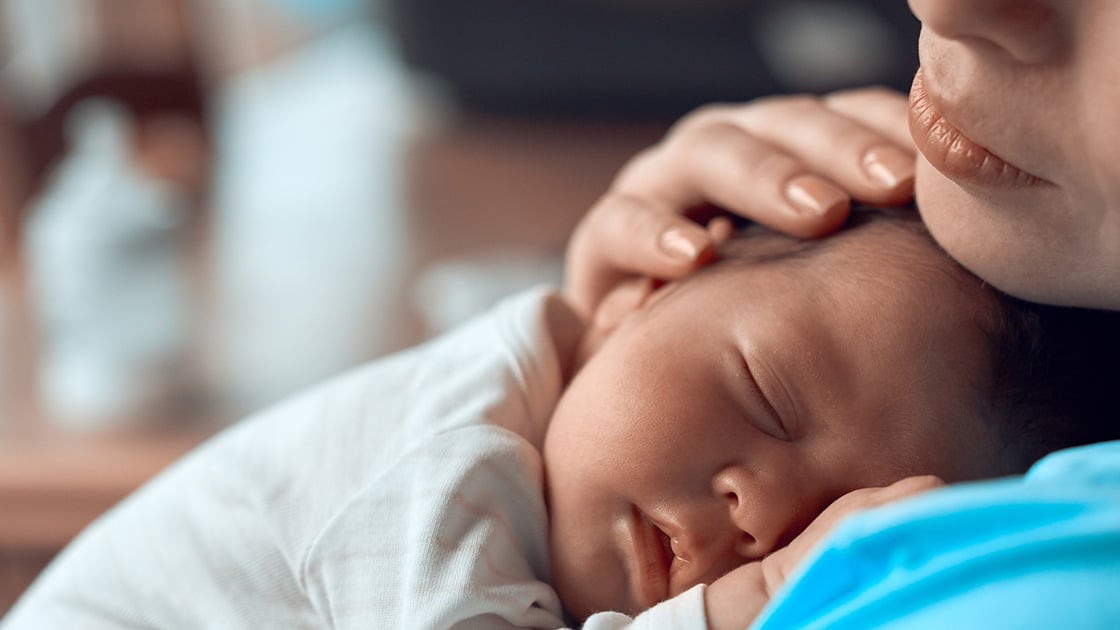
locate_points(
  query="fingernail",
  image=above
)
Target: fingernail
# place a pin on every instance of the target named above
(888, 167)
(812, 195)
(677, 245)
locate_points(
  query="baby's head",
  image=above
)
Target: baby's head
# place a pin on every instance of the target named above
(722, 413)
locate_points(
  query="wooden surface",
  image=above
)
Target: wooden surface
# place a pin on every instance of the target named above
(52, 485)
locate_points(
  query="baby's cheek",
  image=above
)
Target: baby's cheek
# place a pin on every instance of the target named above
(581, 588)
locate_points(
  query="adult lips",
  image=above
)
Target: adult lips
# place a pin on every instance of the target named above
(954, 154)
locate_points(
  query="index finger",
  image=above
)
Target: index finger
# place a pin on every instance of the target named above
(623, 235)
(723, 164)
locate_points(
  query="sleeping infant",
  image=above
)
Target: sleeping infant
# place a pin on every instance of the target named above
(531, 471)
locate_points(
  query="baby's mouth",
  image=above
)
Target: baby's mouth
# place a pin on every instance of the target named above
(654, 554)
(667, 553)
(673, 554)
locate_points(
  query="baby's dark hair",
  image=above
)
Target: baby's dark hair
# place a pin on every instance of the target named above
(1051, 369)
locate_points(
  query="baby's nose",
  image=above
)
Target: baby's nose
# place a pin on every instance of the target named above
(737, 488)
(765, 514)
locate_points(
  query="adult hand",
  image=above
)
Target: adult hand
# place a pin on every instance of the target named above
(736, 599)
(793, 163)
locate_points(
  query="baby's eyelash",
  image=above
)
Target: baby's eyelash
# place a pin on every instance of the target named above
(772, 421)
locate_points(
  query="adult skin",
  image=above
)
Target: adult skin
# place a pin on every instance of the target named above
(1017, 171)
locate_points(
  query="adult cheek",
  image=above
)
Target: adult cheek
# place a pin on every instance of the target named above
(1035, 244)
(986, 240)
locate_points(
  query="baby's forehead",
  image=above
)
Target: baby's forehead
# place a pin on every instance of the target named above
(884, 248)
(884, 259)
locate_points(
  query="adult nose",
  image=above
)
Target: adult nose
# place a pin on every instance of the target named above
(1028, 31)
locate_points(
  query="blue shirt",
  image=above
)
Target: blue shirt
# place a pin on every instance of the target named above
(1038, 551)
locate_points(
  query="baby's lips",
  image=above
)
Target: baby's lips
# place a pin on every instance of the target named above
(692, 560)
(650, 577)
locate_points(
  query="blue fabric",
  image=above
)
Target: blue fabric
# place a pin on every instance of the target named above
(1038, 551)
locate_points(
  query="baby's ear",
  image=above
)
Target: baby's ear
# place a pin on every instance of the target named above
(622, 301)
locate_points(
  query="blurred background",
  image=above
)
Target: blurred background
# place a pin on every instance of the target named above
(206, 205)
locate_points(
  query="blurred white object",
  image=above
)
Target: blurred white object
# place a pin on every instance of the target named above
(449, 293)
(240, 36)
(48, 43)
(309, 241)
(322, 11)
(813, 43)
(106, 278)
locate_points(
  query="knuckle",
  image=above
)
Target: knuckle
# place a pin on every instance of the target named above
(712, 110)
(906, 487)
(923, 481)
(855, 500)
(624, 214)
(635, 170)
(866, 91)
(704, 115)
(856, 140)
(789, 103)
(591, 224)
(738, 151)
(710, 135)
(862, 95)
(772, 166)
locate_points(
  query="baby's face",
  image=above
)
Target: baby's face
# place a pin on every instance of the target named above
(724, 415)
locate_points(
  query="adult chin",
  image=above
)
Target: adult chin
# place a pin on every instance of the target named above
(1014, 241)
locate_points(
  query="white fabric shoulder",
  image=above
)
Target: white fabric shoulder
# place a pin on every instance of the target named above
(229, 536)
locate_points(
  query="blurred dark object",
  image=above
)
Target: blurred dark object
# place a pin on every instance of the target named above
(652, 57)
(14, 185)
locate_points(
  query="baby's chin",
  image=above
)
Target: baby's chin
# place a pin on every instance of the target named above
(583, 593)
(578, 606)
